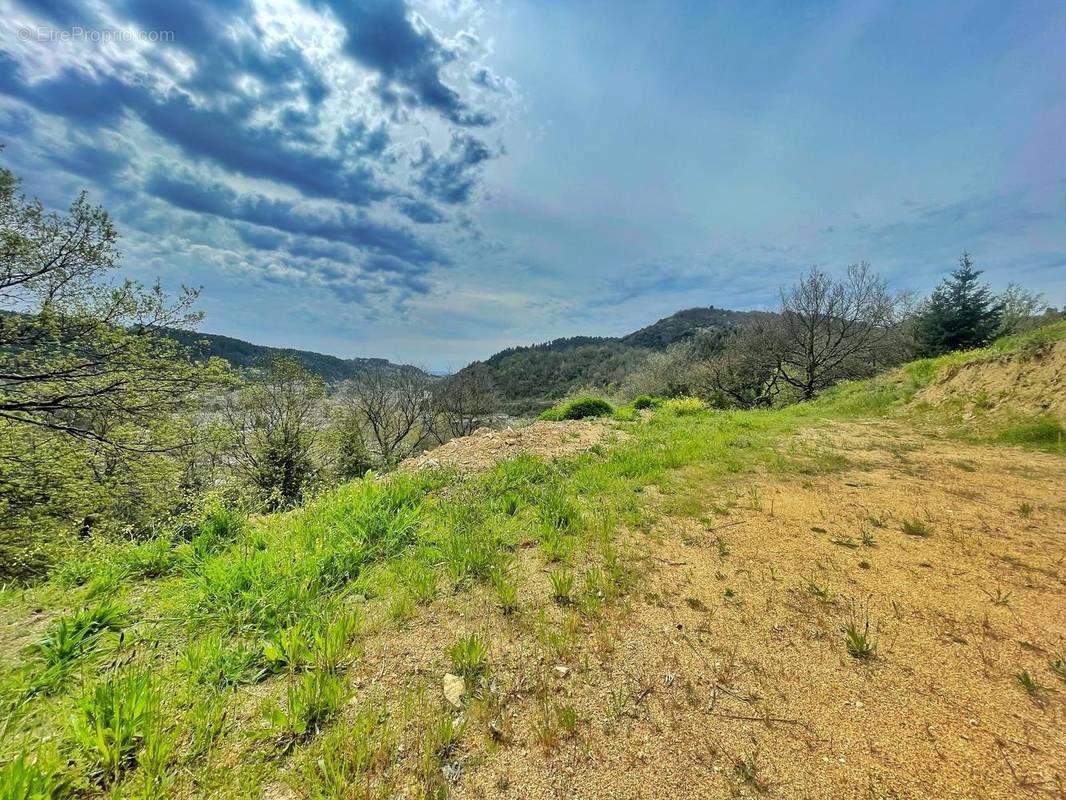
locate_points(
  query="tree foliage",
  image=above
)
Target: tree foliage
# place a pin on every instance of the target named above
(79, 355)
(961, 314)
(275, 421)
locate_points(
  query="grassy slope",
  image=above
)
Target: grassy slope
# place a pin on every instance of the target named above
(246, 640)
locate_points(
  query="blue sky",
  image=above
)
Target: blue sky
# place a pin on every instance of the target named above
(432, 181)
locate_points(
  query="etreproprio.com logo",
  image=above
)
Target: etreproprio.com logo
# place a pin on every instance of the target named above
(94, 35)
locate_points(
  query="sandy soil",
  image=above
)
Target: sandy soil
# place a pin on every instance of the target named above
(486, 446)
(1019, 383)
(729, 677)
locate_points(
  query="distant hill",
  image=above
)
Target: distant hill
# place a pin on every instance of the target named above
(244, 355)
(532, 378)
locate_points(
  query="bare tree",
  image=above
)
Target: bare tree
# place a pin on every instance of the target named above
(397, 406)
(831, 330)
(463, 401)
(747, 372)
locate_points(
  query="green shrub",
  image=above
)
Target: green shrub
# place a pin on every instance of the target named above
(579, 408)
(683, 406)
(642, 401)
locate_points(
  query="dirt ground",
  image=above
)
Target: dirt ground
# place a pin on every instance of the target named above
(486, 446)
(1017, 382)
(728, 675)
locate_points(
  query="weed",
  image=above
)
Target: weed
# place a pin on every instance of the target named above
(683, 406)
(469, 657)
(343, 758)
(288, 649)
(999, 598)
(858, 640)
(506, 593)
(68, 639)
(311, 700)
(113, 721)
(1029, 683)
(746, 768)
(821, 593)
(723, 548)
(555, 546)
(557, 509)
(567, 718)
(212, 661)
(562, 582)
(1058, 667)
(868, 539)
(845, 541)
(26, 779)
(916, 527)
(1026, 510)
(729, 593)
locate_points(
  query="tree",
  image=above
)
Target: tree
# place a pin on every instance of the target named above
(79, 355)
(463, 401)
(274, 424)
(747, 373)
(397, 407)
(831, 330)
(960, 314)
(1021, 310)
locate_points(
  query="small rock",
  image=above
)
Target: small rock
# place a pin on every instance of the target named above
(454, 687)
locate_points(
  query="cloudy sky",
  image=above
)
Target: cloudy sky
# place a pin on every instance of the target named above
(432, 180)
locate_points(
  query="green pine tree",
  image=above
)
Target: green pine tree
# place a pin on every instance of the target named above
(961, 313)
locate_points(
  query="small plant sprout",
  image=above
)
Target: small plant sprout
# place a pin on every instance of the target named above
(562, 582)
(868, 538)
(746, 768)
(999, 597)
(723, 548)
(858, 641)
(506, 593)
(1026, 510)
(469, 657)
(1058, 667)
(1029, 683)
(821, 593)
(916, 527)
(567, 718)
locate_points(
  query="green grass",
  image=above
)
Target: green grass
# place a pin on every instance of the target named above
(284, 601)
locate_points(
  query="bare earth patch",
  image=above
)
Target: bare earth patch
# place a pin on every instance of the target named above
(487, 446)
(1016, 382)
(729, 674)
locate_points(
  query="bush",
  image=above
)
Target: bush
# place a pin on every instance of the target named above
(684, 406)
(579, 408)
(642, 401)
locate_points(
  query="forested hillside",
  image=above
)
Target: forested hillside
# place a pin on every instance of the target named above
(243, 355)
(531, 378)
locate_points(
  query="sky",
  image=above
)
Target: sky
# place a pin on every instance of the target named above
(430, 181)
